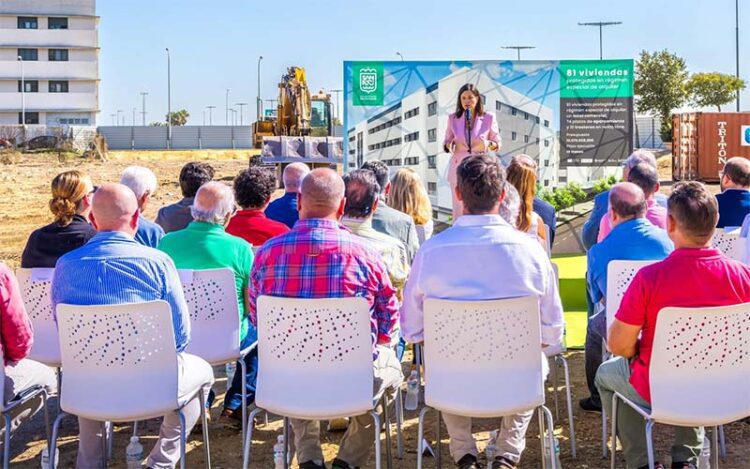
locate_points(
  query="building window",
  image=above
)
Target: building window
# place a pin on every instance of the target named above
(432, 161)
(432, 135)
(434, 214)
(28, 22)
(58, 55)
(28, 54)
(432, 108)
(58, 86)
(546, 183)
(411, 113)
(546, 163)
(513, 111)
(498, 106)
(30, 86)
(546, 142)
(537, 119)
(525, 139)
(411, 137)
(72, 121)
(546, 123)
(514, 136)
(393, 162)
(526, 116)
(484, 99)
(57, 23)
(31, 118)
(412, 161)
(432, 187)
(537, 140)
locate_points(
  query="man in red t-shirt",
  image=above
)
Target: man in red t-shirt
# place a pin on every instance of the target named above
(694, 275)
(253, 188)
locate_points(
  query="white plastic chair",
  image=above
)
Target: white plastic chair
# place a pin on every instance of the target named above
(211, 296)
(325, 344)
(35, 291)
(501, 339)
(548, 246)
(6, 409)
(729, 242)
(698, 373)
(121, 365)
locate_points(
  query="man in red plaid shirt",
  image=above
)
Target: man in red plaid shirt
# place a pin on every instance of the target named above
(320, 258)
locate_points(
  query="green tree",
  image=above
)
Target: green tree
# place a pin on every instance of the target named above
(179, 118)
(713, 89)
(660, 85)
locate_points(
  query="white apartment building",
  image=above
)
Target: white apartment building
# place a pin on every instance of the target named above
(410, 133)
(58, 45)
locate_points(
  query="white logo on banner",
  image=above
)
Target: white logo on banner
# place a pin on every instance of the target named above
(368, 80)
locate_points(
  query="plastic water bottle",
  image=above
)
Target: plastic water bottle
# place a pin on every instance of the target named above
(134, 453)
(491, 450)
(230, 368)
(278, 453)
(45, 458)
(548, 455)
(704, 462)
(412, 391)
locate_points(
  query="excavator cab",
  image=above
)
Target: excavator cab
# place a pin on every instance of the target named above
(320, 116)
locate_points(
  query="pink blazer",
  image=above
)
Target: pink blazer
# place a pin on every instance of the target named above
(483, 131)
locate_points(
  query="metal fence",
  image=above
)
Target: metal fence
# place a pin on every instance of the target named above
(191, 137)
(646, 133)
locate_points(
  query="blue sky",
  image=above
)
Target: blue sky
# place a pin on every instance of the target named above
(215, 44)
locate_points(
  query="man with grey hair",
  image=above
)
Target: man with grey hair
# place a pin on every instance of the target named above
(284, 209)
(320, 258)
(590, 232)
(142, 181)
(205, 245)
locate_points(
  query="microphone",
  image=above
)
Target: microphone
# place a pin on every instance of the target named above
(467, 114)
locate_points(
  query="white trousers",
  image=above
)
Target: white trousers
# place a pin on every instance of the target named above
(23, 375)
(193, 373)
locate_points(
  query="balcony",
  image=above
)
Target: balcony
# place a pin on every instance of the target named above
(50, 102)
(54, 38)
(43, 70)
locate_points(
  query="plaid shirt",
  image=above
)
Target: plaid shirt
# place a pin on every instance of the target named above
(322, 259)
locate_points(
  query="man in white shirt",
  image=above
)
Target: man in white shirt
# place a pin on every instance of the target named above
(512, 265)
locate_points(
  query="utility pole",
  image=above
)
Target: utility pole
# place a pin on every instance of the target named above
(169, 100)
(134, 109)
(226, 117)
(143, 107)
(258, 101)
(338, 113)
(240, 105)
(600, 25)
(518, 49)
(737, 44)
(211, 114)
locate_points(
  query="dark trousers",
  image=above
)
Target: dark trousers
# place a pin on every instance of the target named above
(596, 331)
(233, 398)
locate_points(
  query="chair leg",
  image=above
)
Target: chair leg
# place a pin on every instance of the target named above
(438, 441)
(376, 420)
(204, 422)
(105, 452)
(110, 439)
(418, 362)
(183, 439)
(554, 389)
(550, 436)
(613, 442)
(55, 430)
(542, 436)
(387, 423)
(6, 442)
(45, 402)
(722, 443)
(569, 397)
(399, 405)
(420, 437)
(715, 448)
(286, 442)
(604, 433)
(249, 438)
(59, 390)
(135, 428)
(243, 369)
(650, 443)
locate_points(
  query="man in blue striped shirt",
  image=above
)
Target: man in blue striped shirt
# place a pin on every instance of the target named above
(112, 268)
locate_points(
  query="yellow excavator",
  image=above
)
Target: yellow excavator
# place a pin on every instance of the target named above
(298, 113)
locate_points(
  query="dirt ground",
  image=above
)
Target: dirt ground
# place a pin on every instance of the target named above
(24, 192)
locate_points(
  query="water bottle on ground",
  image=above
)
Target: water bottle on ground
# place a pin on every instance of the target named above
(278, 453)
(412, 391)
(230, 368)
(704, 462)
(548, 455)
(134, 453)
(45, 458)
(490, 452)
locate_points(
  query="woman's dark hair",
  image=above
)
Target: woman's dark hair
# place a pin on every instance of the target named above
(475, 92)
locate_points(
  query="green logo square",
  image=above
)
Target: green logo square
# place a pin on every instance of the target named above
(367, 84)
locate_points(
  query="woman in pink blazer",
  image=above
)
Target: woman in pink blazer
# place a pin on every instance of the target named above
(484, 135)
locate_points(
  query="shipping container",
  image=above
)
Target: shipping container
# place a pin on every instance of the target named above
(703, 141)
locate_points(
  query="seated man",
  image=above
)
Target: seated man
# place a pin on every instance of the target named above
(177, 215)
(284, 209)
(694, 275)
(325, 260)
(142, 181)
(361, 202)
(205, 245)
(645, 177)
(16, 339)
(482, 257)
(590, 232)
(253, 188)
(389, 220)
(632, 238)
(133, 273)
(734, 200)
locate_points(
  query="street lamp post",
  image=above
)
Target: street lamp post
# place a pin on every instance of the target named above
(600, 25)
(23, 96)
(211, 114)
(134, 109)
(737, 44)
(169, 100)
(400, 55)
(338, 114)
(240, 105)
(143, 107)
(114, 117)
(258, 101)
(518, 49)
(119, 111)
(226, 114)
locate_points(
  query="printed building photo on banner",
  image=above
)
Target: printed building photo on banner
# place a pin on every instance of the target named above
(573, 117)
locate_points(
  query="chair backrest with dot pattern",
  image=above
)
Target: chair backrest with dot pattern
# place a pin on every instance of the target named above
(729, 242)
(619, 275)
(315, 357)
(120, 361)
(483, 358)
(35, 290)
(700, 364)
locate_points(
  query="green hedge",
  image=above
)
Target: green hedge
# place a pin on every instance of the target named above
(570, 194)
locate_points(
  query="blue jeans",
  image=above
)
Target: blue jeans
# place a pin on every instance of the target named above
(233, 398)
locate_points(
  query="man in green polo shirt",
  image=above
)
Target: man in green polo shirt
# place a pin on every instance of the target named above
(205, 245)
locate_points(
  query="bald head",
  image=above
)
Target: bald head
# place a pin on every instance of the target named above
(321, 195)
(293, 176)
(115, 208)
(213, 203)
(736, 174)
(626, 201)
